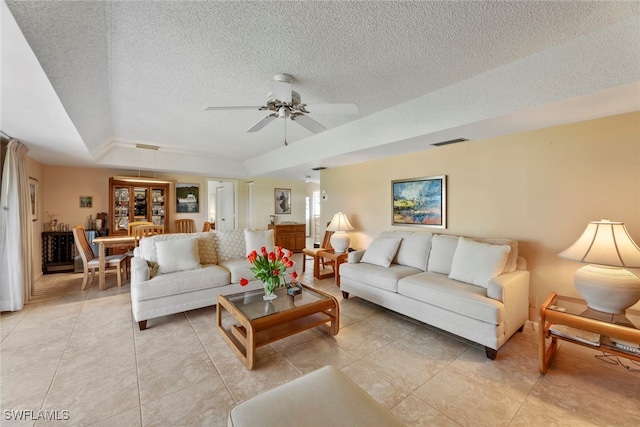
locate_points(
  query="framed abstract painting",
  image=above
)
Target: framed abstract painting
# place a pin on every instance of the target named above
(420, 201)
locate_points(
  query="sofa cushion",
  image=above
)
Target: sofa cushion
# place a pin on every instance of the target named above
(163, 285)
(230, 244)
(177, 255)
(414, 248)
(238, 268)
(477, 263)
(441, 255)
(256, 239)
(458, 297)
(381, 251)
(380, 277)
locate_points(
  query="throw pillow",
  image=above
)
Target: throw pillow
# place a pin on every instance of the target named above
(206, 247)
(381, 252)
(177, 255)
(256, 239)
(512, 260)
(477, 263)
(153, 269)
(441, 255)
(414, 248)
(230, 244)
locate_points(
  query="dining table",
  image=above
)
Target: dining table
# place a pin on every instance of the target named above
(105, 242)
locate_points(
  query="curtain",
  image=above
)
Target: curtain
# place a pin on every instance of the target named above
(16, 233)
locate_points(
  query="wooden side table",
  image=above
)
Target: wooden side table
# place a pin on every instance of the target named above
(574, 312)
(337, 260)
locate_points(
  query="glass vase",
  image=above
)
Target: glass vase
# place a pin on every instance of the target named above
(269, 295)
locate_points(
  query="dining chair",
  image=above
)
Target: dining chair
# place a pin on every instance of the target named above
(208, 226)
(91, 262)
(143, 231)
(135, 224)
(313, 252)
(185, 226)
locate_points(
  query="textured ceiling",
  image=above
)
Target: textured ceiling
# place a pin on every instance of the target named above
(142, 72)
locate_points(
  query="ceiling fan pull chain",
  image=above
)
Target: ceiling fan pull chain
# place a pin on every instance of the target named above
(285, 132)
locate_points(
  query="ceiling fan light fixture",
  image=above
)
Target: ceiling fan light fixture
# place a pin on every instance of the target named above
(283, 112)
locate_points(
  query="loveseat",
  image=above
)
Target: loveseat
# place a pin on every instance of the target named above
(173, 273)
(477, 289)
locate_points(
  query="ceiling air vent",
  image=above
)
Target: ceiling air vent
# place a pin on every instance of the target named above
(451, 141)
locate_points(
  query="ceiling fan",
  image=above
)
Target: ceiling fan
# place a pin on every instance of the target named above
(283, 102)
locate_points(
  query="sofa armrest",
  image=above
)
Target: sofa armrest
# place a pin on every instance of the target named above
(513, 290)
(354, 257)
(139, 270)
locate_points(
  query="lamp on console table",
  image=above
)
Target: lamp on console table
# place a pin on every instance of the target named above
(606, 284)
(339, 225)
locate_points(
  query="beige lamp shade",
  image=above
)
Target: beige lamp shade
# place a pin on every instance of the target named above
(605, 243)
(340, 223)
(340, 240)
(605, 284)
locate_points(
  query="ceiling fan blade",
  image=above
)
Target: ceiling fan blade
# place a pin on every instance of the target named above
(238, 107)
(281, 90)
(308, 123)
(332, 108)
(262, 123)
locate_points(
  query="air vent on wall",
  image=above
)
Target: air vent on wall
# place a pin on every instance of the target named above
(319, 168)
(451, 141)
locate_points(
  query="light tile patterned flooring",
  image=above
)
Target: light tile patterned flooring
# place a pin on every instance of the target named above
(81, 352)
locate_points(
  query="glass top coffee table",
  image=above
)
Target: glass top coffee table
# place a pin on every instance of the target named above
(260, 322)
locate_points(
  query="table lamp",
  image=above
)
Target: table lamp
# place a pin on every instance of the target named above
(606, 284)
(340, 240)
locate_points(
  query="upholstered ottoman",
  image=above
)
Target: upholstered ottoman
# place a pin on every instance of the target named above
(326, 397)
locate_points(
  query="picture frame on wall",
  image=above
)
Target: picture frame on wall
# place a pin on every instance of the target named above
(86, 201)
(420, 201)
(187, 198)
(282, 200)
(33, 198)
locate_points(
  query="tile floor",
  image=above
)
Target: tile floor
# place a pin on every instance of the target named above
(82, 355)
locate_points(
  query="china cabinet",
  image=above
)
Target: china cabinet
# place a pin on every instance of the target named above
(137, 200)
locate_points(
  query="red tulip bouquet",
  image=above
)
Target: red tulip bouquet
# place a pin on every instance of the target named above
(270, 268)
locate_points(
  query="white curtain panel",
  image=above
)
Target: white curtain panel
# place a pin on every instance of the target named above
(16, 233)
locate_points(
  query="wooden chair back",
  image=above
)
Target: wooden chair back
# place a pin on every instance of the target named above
(142, 231)
(208, 226)
(135, 224)
(185, 226)
(326, 241)
(83, 245)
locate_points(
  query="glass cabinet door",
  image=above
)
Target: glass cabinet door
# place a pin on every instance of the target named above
(158, 198)
(121, 212)
(140, 204)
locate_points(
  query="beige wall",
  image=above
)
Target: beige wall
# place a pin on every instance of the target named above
(264, 201)
(540, 187)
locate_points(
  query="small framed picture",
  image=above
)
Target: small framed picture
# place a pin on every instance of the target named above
(282, 200)
(86, 201)
(33, 197)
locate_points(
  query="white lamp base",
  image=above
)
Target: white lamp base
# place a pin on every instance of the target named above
(608, 289)
(340, 241)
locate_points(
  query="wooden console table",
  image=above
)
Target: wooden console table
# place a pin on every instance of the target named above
(573, 312)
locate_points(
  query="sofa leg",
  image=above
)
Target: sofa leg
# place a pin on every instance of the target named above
(491, 353)
(345, 295)
(142, 325)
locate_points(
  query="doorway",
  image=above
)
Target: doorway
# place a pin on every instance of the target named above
(222, 204)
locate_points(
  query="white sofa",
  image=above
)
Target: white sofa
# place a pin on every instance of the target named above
(173, 273)
(475, 289)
